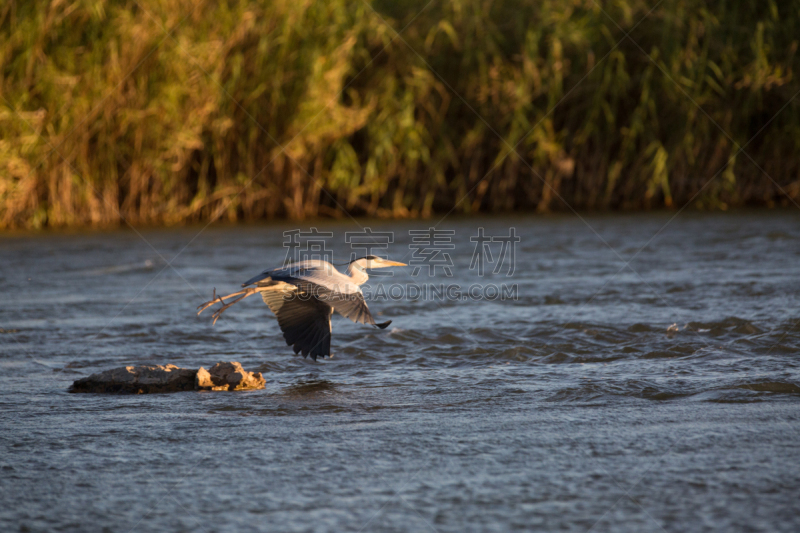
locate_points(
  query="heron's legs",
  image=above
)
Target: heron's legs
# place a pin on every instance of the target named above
(215, 299)
(244, 294)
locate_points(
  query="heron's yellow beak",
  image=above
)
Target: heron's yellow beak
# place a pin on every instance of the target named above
(388, 263)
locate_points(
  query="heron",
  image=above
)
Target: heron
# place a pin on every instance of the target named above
(304, 295)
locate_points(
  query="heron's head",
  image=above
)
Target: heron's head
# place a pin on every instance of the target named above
(373, 261)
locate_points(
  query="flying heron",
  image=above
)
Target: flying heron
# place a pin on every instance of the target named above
(305, 294)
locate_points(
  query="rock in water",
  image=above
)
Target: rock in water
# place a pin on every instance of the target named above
(170, 378)
(228, 376)
(138, 379)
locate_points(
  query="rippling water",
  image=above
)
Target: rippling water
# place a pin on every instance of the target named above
(658, 396)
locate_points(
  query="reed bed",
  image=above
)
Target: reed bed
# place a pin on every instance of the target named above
(174, 111)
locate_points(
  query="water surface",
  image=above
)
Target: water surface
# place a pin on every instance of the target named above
(662, 395)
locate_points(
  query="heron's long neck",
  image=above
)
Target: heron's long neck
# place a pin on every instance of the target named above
(357, 273)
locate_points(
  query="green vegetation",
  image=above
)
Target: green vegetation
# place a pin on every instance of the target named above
(166, 111)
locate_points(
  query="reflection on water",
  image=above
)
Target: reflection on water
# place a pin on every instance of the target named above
(662, 394)
(310, 388)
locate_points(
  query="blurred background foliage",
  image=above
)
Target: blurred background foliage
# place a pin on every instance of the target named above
(172, 111)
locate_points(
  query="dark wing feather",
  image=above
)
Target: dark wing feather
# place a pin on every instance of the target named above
(303, 319)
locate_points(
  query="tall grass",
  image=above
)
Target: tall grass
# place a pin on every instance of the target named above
(167, 111)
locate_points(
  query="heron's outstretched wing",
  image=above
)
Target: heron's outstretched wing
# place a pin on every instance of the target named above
(304, 320)
(349, 305)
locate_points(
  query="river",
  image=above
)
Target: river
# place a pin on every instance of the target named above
(592, 394)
